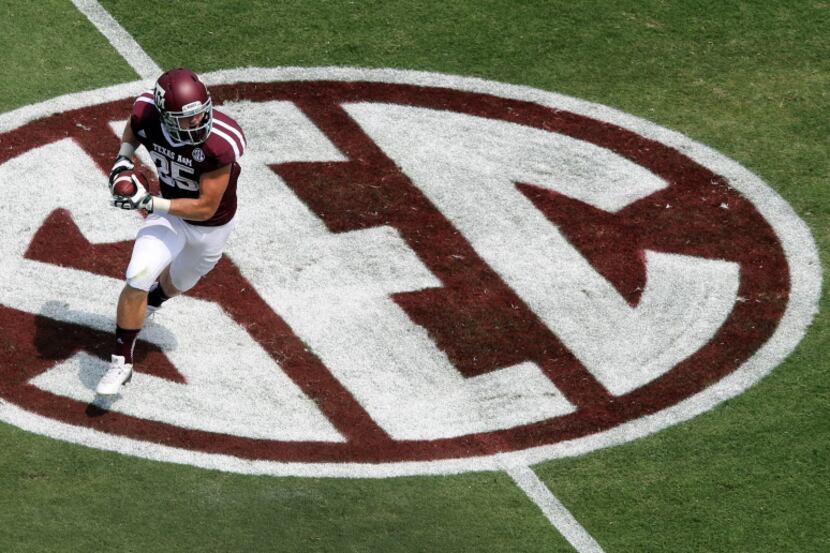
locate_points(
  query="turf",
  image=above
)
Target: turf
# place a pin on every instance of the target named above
(70, 498)
(750, 79)
(50, 48)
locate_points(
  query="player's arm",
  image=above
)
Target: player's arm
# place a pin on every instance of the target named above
(124, 159)
(212, 187)
(128, 136)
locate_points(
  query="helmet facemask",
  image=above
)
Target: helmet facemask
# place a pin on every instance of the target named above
(194, 135)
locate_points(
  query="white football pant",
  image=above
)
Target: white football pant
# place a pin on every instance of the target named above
(190, 250)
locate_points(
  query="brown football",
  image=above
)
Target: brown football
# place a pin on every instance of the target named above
(124, 185)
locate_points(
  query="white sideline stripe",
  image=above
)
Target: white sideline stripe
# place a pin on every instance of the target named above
(553, 509)
(120, 39)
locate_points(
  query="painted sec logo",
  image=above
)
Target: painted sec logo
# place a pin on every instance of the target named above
(430, 274)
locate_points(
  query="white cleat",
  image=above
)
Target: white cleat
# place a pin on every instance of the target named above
(117, 375)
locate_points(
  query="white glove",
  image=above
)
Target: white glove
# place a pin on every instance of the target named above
(122, 163)
(140, 200)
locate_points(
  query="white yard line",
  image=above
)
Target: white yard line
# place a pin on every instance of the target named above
(553, 509)
(120, 39)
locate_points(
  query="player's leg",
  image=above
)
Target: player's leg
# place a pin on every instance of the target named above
(201, 254)
(157, 243)
(131, 307)
(161, 291)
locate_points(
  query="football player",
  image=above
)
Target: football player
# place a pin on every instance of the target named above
(196, 149)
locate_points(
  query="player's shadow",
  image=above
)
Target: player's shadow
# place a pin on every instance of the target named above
(58, 339)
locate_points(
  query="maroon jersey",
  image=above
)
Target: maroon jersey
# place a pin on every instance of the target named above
(181, 166)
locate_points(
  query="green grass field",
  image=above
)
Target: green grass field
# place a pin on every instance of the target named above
(750, 79)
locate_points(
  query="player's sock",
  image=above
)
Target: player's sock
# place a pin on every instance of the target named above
(124, 342)
(156, 296)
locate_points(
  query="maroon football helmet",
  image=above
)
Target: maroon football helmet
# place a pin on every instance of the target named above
(180, 97)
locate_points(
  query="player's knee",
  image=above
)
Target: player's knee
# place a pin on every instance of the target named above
(140, 277)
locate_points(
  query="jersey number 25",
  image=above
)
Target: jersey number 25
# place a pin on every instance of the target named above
(174, 174)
